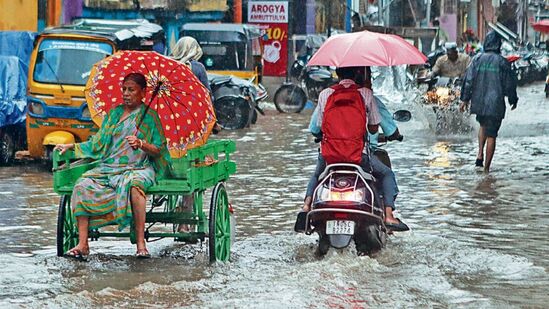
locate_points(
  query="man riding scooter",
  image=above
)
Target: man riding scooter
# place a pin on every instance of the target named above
(453, 64)
(329, 153)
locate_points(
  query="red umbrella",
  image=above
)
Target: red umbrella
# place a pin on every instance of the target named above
(366, 48)
(181, 101)
(541, 26)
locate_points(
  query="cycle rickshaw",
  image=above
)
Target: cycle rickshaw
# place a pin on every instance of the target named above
(202, 168)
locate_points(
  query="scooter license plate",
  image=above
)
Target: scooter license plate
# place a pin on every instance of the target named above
(340, 227)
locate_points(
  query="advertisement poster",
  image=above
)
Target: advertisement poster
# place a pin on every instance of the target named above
(272, 17)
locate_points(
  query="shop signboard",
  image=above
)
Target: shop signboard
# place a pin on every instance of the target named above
(272, 18)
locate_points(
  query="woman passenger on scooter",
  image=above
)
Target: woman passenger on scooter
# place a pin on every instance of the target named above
(380, 171)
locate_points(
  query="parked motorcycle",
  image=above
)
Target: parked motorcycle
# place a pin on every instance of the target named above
(236, 101)
(346, 206)
(291, 98)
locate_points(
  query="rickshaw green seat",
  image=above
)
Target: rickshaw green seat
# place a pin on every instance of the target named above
(187, 175)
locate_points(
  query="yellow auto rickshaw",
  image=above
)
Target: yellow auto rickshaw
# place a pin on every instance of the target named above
(59, 68)
(229, 49)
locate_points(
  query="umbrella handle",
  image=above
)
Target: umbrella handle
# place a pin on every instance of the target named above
(154, 94)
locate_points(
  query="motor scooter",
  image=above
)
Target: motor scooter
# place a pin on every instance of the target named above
(346, 206)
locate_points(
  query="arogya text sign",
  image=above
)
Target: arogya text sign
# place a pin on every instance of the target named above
(268, 12)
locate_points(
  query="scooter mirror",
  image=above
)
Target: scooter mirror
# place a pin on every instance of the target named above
(402, 115)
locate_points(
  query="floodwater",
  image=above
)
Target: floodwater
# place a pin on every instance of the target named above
(477, 241)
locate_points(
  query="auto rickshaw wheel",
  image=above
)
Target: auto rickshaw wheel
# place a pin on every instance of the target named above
(7, 148)
(67, 233)
(290, 98)
(219, 225)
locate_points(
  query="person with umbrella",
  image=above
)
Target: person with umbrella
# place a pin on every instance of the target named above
(347, 77)
(132, 151)
(376, 49)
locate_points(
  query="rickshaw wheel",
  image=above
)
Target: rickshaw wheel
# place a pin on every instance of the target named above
(219, 225)
(66, 227)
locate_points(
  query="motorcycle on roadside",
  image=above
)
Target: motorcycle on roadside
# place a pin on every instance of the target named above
(347, 206)
(236, 101)
(291, 98)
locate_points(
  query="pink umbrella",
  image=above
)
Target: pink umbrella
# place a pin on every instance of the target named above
(541, 26)
(366, 48)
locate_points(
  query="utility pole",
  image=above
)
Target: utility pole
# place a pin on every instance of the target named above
(329, 17)
(428, 14)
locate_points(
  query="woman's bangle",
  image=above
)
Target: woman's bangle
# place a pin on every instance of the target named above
(140, 144)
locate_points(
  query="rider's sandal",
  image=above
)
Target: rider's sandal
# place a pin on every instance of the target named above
(77, 255)
(397, 227)
(301, 222)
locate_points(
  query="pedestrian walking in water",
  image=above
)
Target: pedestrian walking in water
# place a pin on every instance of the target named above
(487, 82)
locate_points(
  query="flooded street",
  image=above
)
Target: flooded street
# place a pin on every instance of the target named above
(477, 241)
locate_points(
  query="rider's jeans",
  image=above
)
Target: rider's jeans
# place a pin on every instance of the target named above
(380, 171)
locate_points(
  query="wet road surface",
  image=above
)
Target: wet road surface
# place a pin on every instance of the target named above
(477, 241)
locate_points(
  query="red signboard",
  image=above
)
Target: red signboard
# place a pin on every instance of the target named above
(272, 17)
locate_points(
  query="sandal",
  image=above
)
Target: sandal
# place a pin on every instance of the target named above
(143, 254)
(77, 255)
(397, 227)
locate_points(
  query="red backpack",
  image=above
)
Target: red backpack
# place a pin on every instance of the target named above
(343, 126)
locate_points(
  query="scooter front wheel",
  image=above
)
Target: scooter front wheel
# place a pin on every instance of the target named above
(290, 98)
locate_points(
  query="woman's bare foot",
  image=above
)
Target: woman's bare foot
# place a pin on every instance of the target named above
(142, 252)
(307, 203)
(80, 252)
(83, 249)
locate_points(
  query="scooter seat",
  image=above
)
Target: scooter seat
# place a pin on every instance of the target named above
(347, 166)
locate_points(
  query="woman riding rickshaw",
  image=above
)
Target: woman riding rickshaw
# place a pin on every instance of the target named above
(131, 156)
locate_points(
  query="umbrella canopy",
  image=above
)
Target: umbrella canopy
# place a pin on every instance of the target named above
(541, 26)
(366, 48)
(182, 102)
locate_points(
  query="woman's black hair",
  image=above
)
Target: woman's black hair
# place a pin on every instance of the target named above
(138, 78)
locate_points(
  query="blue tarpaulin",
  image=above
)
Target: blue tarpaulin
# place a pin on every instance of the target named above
(15, 51)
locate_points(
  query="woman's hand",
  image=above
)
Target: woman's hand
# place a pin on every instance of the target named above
(62, 148)
(134, 141)
(137, 143)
